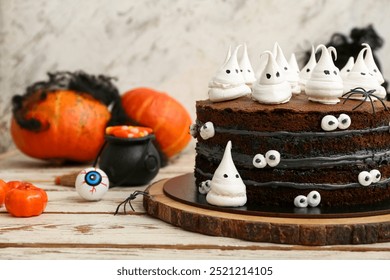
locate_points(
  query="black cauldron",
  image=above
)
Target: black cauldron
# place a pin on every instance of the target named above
(130, 161)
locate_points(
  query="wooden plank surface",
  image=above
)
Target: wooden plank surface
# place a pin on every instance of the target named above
(72, 228)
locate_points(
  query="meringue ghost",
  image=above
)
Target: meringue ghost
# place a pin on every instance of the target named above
(325, 84)
(360, 76)
(226, 187)
(371, 65)
(305, 73)
(246, 68)
(293, 77)
(290, 74)
(272, 86)
(347, 68)
(228, 83)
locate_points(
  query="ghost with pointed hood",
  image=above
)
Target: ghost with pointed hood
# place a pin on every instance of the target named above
(246, 68)
(294, 74)
(325, 84)
(344, 72)
(228, 83)
(290, 73)
(371, 65)
(226, 187)
(305, 73)
(360, 76)
(272, 86)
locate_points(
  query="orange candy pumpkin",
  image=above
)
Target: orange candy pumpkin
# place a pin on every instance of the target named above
(166, 116)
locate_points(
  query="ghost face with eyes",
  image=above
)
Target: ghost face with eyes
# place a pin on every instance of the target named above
(360, 76)
(226, 187)
(272, 86)
(228, 83)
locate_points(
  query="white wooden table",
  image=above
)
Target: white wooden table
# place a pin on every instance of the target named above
(72, 228)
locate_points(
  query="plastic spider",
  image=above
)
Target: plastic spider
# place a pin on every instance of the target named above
(366, 94)
(128, 201)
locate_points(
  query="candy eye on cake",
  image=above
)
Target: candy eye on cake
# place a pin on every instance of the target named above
(207, 131)
(273, 158)
(204, 187)
(314, 199)
(344, 121)
(329, 123)
(365, 178)
(376, 175)
(301, 201)
(194, 130)
(259, 161)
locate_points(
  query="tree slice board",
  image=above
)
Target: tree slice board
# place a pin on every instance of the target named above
(297, 230)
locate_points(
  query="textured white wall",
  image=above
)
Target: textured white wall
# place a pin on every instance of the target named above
(174, 46)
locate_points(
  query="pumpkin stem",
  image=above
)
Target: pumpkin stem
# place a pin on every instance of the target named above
(99, 87)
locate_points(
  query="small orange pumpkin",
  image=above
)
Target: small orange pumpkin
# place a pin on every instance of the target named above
(59, 123)
(166, 116)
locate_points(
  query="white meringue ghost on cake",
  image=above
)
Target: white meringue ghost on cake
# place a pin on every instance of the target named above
(228, 83)
(290, 74)
(371, 65)
(246, 68)
(305, 73)
(344, 72)
(271, 87)
(360, 76)
(294, 75)
(325, 84)
(226, 187)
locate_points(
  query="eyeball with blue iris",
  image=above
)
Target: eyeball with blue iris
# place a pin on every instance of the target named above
(329, 123)
(376, 175)
(207, 130)
(272, 157)
(259, 161)
(300, 201)
(204, 187)
(92, 184)
(365, 178)
(313, 198)
(344, 121)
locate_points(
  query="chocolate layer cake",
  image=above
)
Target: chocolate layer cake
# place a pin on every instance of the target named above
(315, 153)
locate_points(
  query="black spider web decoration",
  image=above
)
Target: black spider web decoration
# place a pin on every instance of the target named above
(366, 94)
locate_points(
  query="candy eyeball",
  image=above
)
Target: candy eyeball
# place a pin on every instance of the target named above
(344, 121)
(273, 158)
(365, 178)
(92, 184)
(313, 198)
(375, 175)
(207, 130)
(329, 123)
(259, 161)
(300, 201)
(194, 130)
(204, 187)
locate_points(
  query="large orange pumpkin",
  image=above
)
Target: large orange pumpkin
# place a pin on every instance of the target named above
(55, 122)
(169, 120)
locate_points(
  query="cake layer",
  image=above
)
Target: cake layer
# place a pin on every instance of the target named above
(311, 158)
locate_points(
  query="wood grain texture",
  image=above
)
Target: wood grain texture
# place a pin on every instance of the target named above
(72, 228)
(298, 231)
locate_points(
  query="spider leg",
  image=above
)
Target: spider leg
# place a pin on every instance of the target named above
(361, 103)
(372, 104)
(381, 101)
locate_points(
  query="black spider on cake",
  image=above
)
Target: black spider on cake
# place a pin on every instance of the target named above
(366, 94)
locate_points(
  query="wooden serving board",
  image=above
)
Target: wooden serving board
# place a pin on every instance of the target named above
(283, 230)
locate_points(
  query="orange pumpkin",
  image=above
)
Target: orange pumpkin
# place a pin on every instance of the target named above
(72, 127)
(63, 119)
(166, 116)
